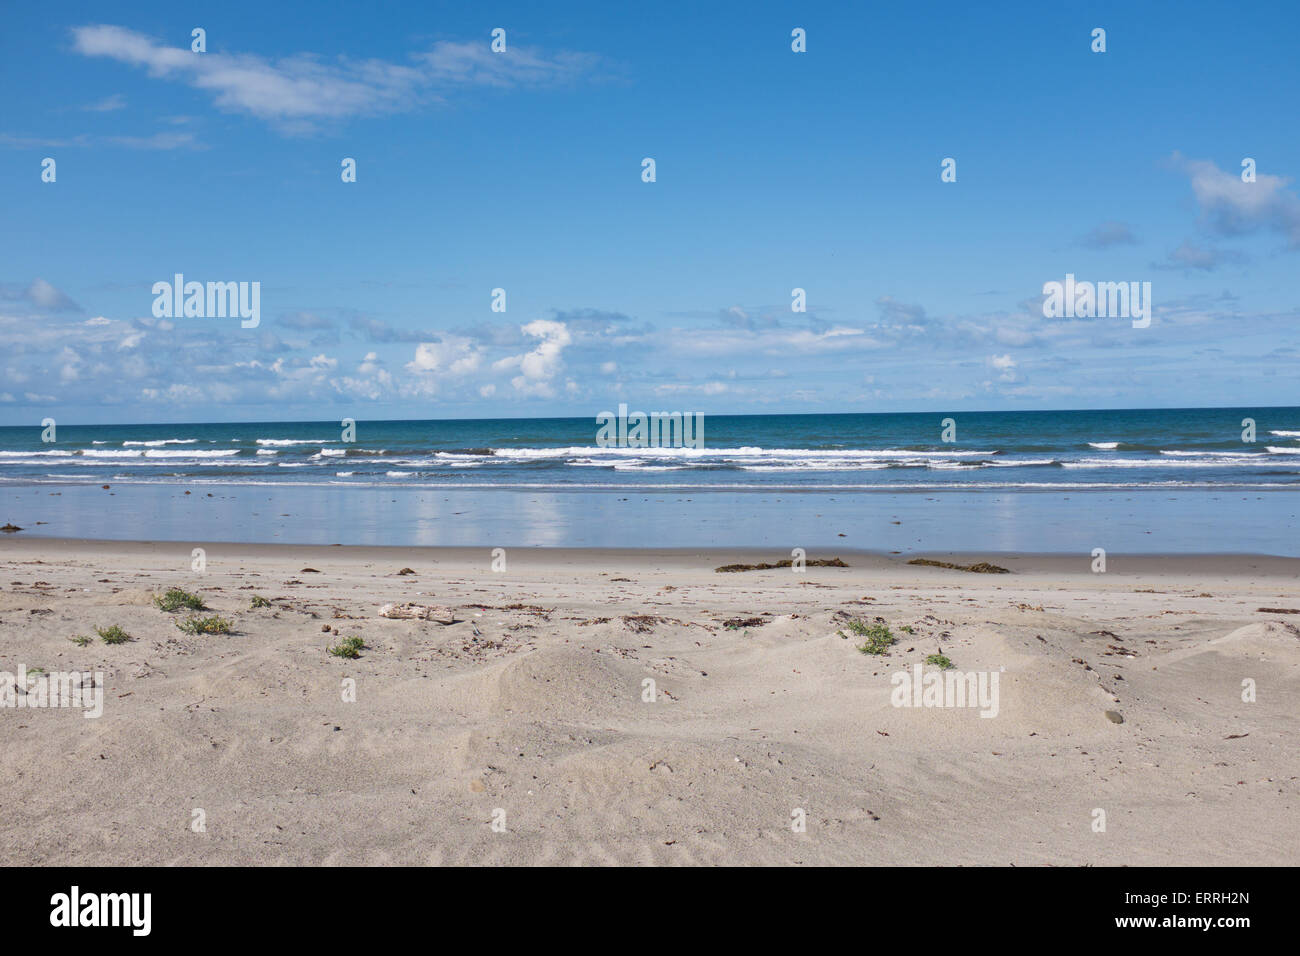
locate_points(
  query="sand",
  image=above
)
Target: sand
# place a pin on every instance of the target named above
(522, 733)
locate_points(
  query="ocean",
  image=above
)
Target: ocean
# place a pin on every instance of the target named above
(1080, 450)
(760, 479)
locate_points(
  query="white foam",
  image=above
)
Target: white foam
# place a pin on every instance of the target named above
(817, 466)
(296, 441)
(1213, 454)
(748, 451)
(1156, 463)
(210, 453)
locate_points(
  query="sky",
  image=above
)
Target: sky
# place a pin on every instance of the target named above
(522, 170)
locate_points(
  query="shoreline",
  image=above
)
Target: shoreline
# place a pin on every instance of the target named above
(951, 487)
(1008, 522)
(1152, 562)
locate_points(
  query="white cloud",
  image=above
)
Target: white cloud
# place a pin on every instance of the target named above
(373, 381)
(538, 367)
(704, 388)
(1007, 366)
(1234, 208)
(454, 355)
(773, 341)
(304, 88)
(44, 296)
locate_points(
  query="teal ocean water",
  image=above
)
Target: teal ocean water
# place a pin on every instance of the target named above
(1141, 480)
(1082, 450)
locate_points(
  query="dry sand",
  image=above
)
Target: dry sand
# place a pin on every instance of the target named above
(532, 704)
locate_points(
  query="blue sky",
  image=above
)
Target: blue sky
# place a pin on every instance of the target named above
(522, 170)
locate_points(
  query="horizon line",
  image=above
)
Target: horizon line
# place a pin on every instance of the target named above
(557, 418)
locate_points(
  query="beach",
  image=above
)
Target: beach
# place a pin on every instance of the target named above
(605, 706)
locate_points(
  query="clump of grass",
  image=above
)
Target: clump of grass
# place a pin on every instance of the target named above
(878, 637)
(81, 640)
(176, 598)
(113, 634)
(907, 629)
(259, 601)
(205, 625)
(940, 661)
(349, 647)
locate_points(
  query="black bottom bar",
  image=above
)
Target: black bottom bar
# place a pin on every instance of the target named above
(898, 906)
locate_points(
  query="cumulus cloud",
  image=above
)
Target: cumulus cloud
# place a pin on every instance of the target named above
(1231, 207)
(1006, 366)
(453, 355)
(539, 366)
(903, 354)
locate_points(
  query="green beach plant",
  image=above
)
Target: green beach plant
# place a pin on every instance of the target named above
(113, 634)
(349, 647)
(878, 638)
(176, 598)
(205, 625)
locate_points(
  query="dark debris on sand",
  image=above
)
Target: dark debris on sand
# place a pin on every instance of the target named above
(982, 567)
(819, 563)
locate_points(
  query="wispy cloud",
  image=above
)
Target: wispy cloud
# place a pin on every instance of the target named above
(159, 141)
(40, 294)
(1189, 255)
(162, 141)
(1108, 234)
(298, 91)
(107, 105)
